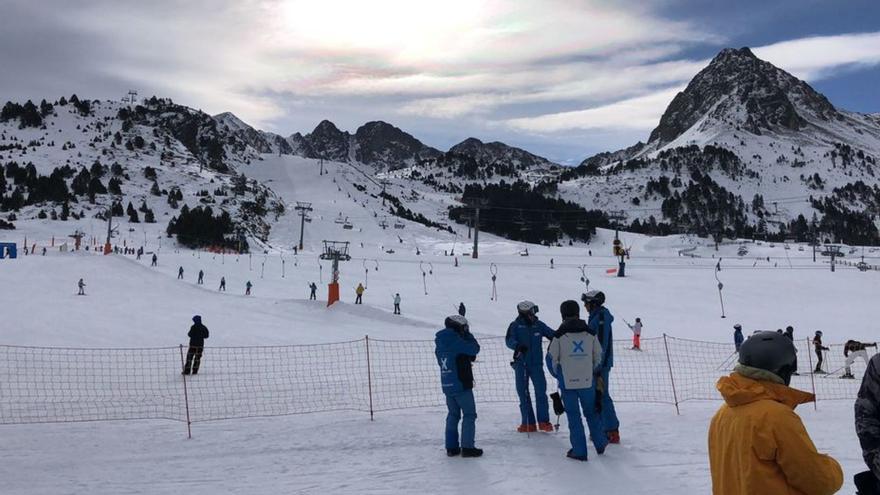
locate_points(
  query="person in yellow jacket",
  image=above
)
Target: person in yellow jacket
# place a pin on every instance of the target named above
(757, 444)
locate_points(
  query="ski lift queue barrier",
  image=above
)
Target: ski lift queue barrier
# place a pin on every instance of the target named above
(52, 385)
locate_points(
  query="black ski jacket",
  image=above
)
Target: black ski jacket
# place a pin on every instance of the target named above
(197, 335)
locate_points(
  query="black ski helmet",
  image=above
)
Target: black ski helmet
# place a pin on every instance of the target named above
(569, 309)
(770, 351)
(818, 333)
(458, 323)
(596, 297)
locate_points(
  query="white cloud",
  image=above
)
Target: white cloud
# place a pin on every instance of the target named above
(640, 113)
(820, 57)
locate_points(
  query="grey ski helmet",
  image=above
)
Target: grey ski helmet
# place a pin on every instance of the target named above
(527, 308)
(770, 351)
(594, 296)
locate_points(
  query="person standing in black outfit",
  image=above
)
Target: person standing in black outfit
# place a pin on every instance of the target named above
(197, 335)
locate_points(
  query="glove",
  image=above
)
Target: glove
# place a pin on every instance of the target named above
(521, 349)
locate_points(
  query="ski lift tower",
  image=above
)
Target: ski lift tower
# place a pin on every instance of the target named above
(476, 204)
(335, 251)
(617, 245)
(834, 251)
(111, 231)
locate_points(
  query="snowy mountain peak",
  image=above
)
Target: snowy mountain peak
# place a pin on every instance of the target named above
(740, 90)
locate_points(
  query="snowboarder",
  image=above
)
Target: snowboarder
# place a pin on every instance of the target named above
(313, 289)
(197, 335)
(756, 442)
(867, 411)
(153, 263)
(222, 284)
(737, 336)
(853, 349)
(397, 303)
(817, 344)
(456, 349)
(524, 337)
(461, 309)
(572, 358)
(637, 334)
(201, 280)
(359, 291)
(247, 288)
(82, 287)
(789, 332)
(180, 273)
(599, 321)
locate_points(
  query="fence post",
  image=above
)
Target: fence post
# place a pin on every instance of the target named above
(369, 376)
(671, 377)
(812, 376)
(185, 396)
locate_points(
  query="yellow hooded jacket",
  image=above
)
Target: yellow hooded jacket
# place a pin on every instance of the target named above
(759, 446)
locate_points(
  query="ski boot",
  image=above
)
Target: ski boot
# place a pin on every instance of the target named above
(848, 376)
(546, 427)
(527, 429)
(453, 452)
(570, 454)
(472, 452)
(613, 436)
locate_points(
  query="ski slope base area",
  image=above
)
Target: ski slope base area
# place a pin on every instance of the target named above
(129, 304)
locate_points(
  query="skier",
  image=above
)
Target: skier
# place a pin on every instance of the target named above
(153, 263)
(737, 336)
(44, 251)
(197, 335)
(573, 357)
(180, 273)
(789, 332)
(222, 284)
(456, 349)
(82, 287)
(461, 309)
(140, 252)
(853, 349)
(867, 411)
(637, 334)
(397, 303)
(599, 321)
(201, 280)
(551, 263)
(524, 336)
(757, 444)
(247, 288)
(313, 292)
(817, 344)
(359, 291)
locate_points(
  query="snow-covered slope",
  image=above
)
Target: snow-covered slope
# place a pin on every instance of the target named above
(157, 155)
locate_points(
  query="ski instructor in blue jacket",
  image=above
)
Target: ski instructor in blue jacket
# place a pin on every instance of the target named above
(456, 349)
(524, 337)
(600, 324)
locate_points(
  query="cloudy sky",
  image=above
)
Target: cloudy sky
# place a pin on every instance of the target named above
(561, 78)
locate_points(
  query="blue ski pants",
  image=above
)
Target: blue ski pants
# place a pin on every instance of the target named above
(461, 407)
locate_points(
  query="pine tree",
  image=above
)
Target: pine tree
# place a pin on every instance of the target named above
(132, 214)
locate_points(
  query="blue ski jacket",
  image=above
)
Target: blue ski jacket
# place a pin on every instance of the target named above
(600, 324)
(523, 333)
(455, 352)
